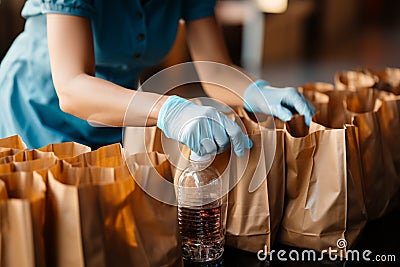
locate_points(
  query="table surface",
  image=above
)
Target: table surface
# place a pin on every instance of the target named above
(381, 237)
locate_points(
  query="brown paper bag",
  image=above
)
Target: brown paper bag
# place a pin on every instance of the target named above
(92, 217)
(12, 142)
(157, 221)
(255, 204)
(152, 139)
(334, 113)
(320, 87)
(248, 225)
(389, 122)
(354, 79)
(336, 110)
(317, 212)
(361, 101)
(380, 178)
(319, 99)
(276, 178)
(3, 193)
(39, 165)
(343, 107)
(356, 211)
(107, 156)
(22, 219)
(389, 80)
(146, 168)
(143, 139)
(331, 111)
(114, 222)
(66, 150)
(28, 160)
(27, 155)
(6, 152)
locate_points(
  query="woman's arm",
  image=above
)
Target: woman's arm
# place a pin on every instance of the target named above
(102, 102)
(206, 43)
(80, 92)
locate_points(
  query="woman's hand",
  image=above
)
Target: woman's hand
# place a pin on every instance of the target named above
(203, 129)
(279, 102)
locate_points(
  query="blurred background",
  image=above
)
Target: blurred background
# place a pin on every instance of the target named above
(286, 42)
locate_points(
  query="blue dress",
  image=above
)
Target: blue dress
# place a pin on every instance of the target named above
(128, 36)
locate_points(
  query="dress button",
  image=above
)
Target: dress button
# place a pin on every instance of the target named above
(139, 15)
(138, 55)
(140, 37)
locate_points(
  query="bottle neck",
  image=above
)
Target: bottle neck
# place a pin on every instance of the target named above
(197, 158)
(200, 165)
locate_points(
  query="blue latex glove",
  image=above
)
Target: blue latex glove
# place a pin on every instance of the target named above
(279, 102)
(203, 129)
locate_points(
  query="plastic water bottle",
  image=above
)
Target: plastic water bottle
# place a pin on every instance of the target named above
(200, 212)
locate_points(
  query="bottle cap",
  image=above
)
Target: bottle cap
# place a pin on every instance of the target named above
(198, 158)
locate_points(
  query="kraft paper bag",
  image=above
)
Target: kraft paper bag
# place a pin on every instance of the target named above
(3, 192)
(29, 160)
(27, 155)
(389, 80)
(318, 209)
(379, 172)
(276, 179)
(319, 99)
(22, 213)
(334, 113)
(356, 211)
(66, 150)
(114, 156)
(248, 217)
(321, 87)
(352, 80)
(14, 141)
(336, 109)
(155, 216)
(143, 139)
(152, 139)
(39, 165)
(389, 122)
(92, 217)
(363, 100)
(255, 204)
(107, 156)
(8, 152)
(328, 102)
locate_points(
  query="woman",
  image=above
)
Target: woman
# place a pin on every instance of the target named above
(77, 62)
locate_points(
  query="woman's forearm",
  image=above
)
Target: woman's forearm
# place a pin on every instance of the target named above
(221, 78)
(104, 103)
(225, 83)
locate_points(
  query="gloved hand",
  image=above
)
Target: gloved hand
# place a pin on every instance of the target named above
(279, 102)
(203, 129)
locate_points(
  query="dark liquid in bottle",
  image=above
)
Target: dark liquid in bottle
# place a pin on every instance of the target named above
(202, 238)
